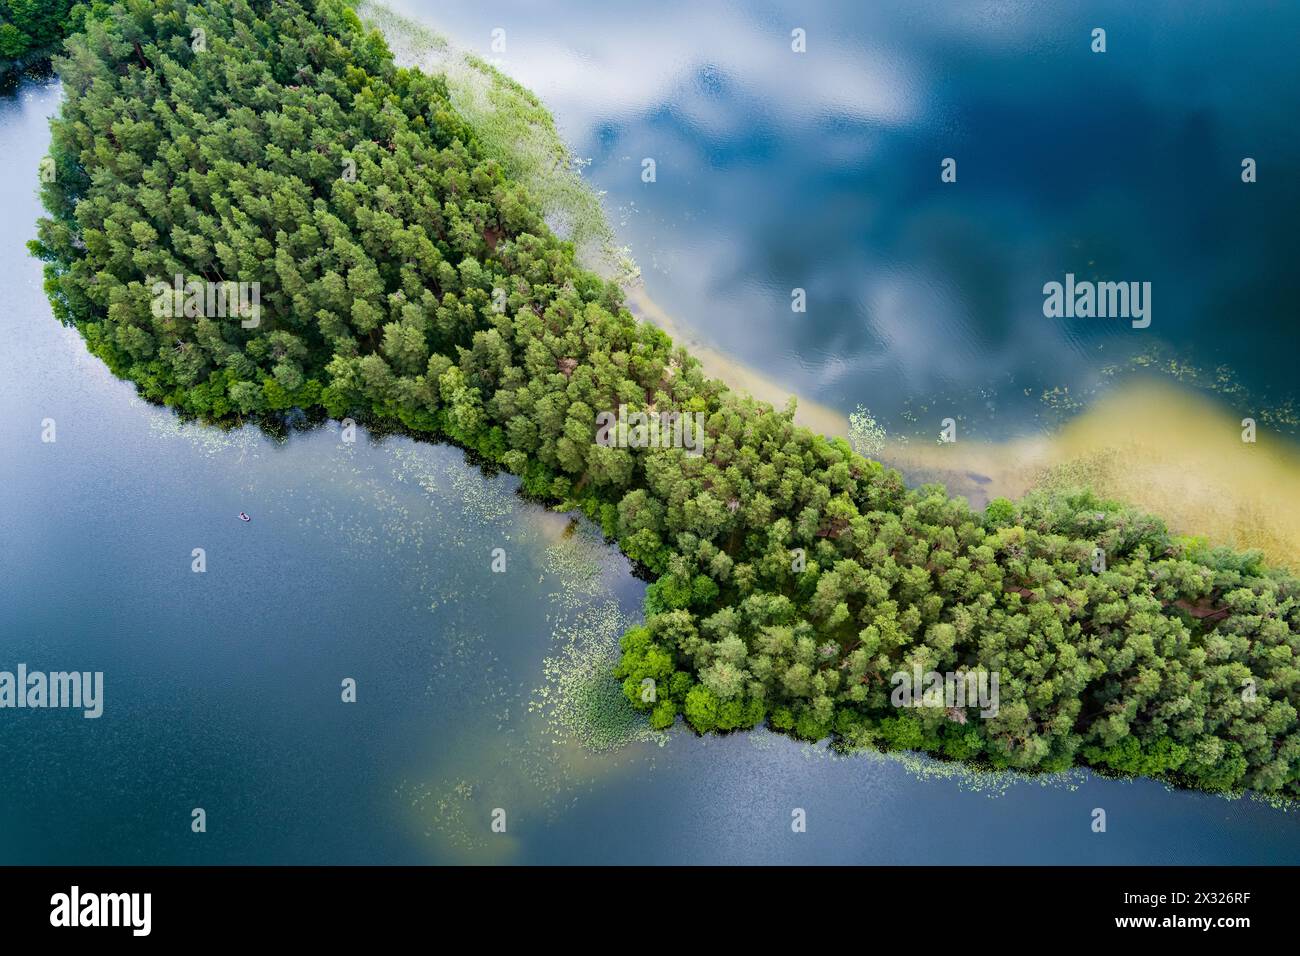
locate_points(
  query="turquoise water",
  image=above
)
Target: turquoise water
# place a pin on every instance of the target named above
(373, 561)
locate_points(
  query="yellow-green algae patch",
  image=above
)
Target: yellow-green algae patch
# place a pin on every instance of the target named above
(1150, 442)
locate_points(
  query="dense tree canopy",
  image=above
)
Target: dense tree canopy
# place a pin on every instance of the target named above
(32, 26)
(404, 278)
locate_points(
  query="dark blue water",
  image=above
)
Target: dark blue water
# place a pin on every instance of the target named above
(372, 561)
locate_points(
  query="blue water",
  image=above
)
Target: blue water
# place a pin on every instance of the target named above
(372, 560)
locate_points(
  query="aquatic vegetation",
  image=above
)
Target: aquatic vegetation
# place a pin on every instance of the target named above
(866, 435)
(407, 279)
(579, 699)
(1182, 458)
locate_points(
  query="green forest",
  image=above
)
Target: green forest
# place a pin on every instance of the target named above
(33, 27)
(406, 281)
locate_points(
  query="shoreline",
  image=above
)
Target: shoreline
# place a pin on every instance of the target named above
(1149, 442)
(739, 377)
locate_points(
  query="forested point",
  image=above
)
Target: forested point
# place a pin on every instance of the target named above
(405, 280)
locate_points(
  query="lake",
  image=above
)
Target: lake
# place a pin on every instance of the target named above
(372, 560)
